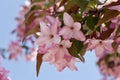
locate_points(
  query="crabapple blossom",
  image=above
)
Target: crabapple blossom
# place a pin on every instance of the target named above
(60, 57)
(111, 67)
(118, 49)
(48, 35)
(3, 74)
(15, 49)
(71, 29)
(101, 47)
(32, 55)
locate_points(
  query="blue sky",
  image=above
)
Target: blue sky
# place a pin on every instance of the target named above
(22, 70)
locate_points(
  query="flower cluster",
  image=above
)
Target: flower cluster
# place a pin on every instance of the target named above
(3, 74)
(110, 66)
(61, 31)
(54, 41)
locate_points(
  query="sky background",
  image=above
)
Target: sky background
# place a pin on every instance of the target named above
(22, 70)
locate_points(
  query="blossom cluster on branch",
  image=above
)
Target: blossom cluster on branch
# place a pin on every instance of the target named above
(61, 31)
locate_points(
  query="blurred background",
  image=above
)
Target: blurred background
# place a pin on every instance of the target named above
(22, 70)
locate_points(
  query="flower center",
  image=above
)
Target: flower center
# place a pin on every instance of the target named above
(60, 45)
(111, 64)
(72, 28)
(100, 42)
(51, 36)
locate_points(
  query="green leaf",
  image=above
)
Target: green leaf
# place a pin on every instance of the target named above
(38, 63)
(37, 1)
(69, 5)
(93, 3)
(82, 3)
(51, 2)
(77, 49)
(77, 17)
(91, 22)
(107, 16)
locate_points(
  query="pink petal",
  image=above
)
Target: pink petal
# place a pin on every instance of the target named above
(72, 66)
(61, 64)
(56, 39)
(49, 56)
(77, 26)
(51, 19)
(40, 40)
(92, 44)
(54, 28)
(109, 48)
(118, 49)
(43, 28)
(99, 51)
(68, 20)
(66, 43)
(108, 41)
(79, 35)
(59, 55)
(66, 32)
(115, 7)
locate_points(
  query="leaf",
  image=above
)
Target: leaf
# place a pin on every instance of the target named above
(108, 15)
(31, 15)
(70, 3)
(77, 17)
(31, 31)
(105, 34)
(91, 22)
(36, 1)
(38, 63)
(77, 49)
(82, 3)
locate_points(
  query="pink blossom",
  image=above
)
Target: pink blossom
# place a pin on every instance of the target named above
(15, 49)
(117, 7)
(118, 49)
(71, 29)
(31, 56)
(112, 68)
(3, 74)
(60, 57)
(48, 35)
(101, 46)
(118, 40)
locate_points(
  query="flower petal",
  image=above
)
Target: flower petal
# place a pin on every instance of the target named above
(66, 32)
(99, 51)
(68, 20)
(54, 28)
(43, 28)
(66, 43)
(41, 40)
(71, 65)
(92, 44)
(109, 48)
(56, 39)
(118, 49)
(115, 7)
(79, 35)
(77, 26)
